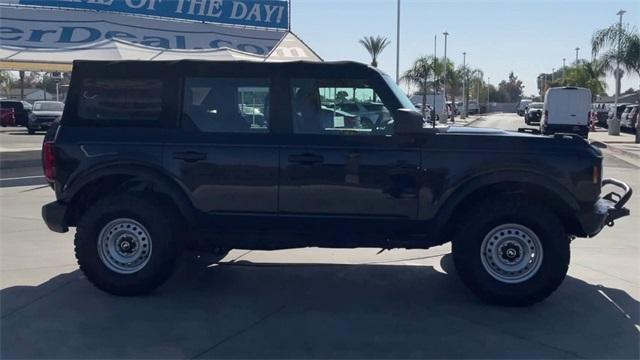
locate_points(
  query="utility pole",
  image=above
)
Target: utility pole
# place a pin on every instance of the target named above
(615, 106)
(464, 86)
(488, 92)
(398, 47)
(21, 84)
(564, 70)
(435, 80)
(577, 51)
(444, 87)
(553, 71)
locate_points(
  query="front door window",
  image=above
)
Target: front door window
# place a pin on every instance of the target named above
(346, 107)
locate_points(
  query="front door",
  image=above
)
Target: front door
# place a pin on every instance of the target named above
(339, 163)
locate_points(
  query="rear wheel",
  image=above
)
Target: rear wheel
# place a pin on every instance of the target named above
(31, 131)
(511, 254)
(125, 245)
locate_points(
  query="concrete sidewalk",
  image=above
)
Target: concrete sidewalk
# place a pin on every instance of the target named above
(623, 144)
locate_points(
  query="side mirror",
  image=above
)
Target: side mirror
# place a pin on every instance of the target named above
(407, 122)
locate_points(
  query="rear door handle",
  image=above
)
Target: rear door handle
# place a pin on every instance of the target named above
(190, 156)
(306, 159)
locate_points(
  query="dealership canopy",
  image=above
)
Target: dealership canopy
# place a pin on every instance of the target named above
(49, 39)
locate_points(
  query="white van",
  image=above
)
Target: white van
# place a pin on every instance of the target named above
(440, 104)
(566, 110)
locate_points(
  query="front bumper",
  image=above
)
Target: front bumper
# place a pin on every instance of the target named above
(54, 215)
(606, 210)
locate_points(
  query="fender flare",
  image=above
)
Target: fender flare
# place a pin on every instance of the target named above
(451, 202)
(161, 181)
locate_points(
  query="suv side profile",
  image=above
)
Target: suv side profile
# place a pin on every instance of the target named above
(154, 157)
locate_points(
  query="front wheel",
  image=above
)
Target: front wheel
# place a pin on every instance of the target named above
(125, 245)
(511, 255)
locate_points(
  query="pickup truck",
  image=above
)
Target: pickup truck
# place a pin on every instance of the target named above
(150, 158)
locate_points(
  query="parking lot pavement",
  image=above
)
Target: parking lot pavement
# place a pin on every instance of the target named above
(315, 303)
(18, 139)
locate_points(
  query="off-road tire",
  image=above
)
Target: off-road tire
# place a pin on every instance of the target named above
(153, 216)
(480, 219)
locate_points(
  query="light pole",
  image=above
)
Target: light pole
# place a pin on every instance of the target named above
(577, 51)
(398, 47)
(553, 71)
(615, 101)
(564, 68)
(444, 87)
(464, 85)
(434, 112)
(488, 92)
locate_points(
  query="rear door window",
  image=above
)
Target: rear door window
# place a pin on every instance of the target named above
(106, 100)
(226, 105)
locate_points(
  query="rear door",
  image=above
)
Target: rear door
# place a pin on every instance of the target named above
(222, 150)
(330, 170)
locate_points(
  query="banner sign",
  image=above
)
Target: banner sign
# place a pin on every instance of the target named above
(259, 13)
(61, 29)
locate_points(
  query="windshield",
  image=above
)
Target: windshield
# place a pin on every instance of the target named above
(402, 97)
(535, 106)
(48, 106)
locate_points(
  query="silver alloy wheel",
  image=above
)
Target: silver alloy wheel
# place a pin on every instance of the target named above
(124, 246)
(511, 253)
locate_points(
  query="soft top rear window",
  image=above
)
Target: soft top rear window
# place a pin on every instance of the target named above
(104, 100)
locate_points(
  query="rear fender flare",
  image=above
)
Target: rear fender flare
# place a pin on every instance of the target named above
(138, 173)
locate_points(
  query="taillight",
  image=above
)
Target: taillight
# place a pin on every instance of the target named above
(546, 115)
(49, 160)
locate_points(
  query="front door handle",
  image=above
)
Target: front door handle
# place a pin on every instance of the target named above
(306, 159)
(190, 156)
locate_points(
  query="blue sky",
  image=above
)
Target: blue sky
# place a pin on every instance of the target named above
(527, 37)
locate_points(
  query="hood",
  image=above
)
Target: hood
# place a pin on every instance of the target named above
(47, 113)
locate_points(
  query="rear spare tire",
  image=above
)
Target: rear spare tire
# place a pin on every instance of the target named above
(125, 245)
(511, 252)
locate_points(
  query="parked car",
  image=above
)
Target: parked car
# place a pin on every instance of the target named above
(601, 113)
(151, 157)
(522, 106)
(45, 113)
(20, 112)
(629, 118)
(533, 113)
(7, 117)
(617, 112)
(27, 105)
(473, 107)
(566, 110)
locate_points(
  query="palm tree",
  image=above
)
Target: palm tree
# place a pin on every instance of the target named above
(374, 46)
(606, 41)
(589, 74)
(419, 75)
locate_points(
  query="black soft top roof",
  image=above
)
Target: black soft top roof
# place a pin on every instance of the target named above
(221, 68)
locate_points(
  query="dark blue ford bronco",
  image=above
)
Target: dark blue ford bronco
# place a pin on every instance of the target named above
(154, 157)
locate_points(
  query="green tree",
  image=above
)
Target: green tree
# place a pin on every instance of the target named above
(419, 74)
(374, 46)
(511, 89)
(588, 74)
(605, 42)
